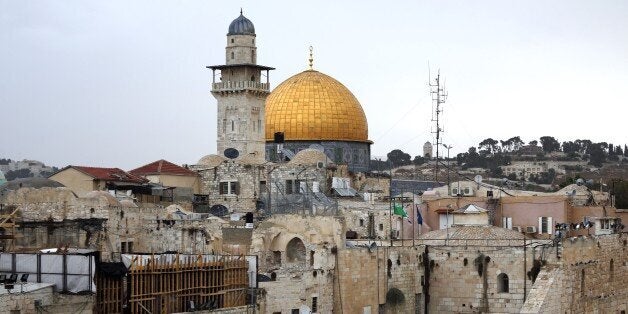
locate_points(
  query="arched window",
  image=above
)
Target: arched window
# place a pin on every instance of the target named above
(295, 251)
(232, 126)
(232, 55)
(502, 283)
(612, 269)
(252, 56)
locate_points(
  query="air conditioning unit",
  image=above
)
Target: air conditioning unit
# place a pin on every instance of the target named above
(530, 229)
(516, 228)
(489, 194)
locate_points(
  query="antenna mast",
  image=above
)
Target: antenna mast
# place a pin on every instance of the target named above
(439, 96)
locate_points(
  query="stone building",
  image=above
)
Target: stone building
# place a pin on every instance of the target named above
(428, 150)
(240, 92)
(231, 185)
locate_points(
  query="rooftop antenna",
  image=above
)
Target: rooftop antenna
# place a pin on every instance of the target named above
(439, 96)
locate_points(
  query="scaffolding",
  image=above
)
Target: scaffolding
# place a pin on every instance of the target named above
(179, 283)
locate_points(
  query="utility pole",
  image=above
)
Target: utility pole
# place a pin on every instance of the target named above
(439, 96)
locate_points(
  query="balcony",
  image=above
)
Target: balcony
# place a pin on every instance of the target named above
(239, 85)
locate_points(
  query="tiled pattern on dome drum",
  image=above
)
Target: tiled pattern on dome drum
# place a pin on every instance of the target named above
(314, 106)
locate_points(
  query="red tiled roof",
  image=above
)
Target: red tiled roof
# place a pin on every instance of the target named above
(162, 167)
(110, 174)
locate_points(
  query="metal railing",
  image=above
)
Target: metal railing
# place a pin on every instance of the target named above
(238, 85)
(306, 202)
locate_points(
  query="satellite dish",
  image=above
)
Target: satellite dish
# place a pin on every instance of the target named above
(231, 153)
(478, 179)
(579, 182)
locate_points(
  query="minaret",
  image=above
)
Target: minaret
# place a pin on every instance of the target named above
(241, 93)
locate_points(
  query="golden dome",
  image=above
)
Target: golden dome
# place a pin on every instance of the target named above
(312, 106)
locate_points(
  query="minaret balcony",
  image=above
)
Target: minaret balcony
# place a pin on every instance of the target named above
(240, 85)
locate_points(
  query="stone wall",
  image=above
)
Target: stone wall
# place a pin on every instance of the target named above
(387, 278)
(25, 302)
(457, 286)
(590, 277)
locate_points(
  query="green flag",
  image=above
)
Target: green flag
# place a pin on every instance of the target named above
(398, 210)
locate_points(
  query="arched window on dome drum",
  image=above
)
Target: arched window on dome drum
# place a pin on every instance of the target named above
(232, 126)
(502, 283)
(252, 56)
(232, 55)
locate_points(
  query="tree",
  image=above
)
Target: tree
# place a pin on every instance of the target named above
(399, 158)
(533, 142)
(619, 151)
(516, 143)
(583, 145)
(490, 145)
(549, 144)
(379, 165)
(570, 147)
(4, 161)
(620, 190)
(418, 160)
(512, 177)
(597, 154)
(17, 174)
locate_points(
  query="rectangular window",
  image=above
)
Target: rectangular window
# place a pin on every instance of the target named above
(507, 222)
(262, 186)
(361, 222)
(288, 186)
(381, 227)
(295, 311)
(293, 187)
(545, 225)
(126, 247)
(228, 188)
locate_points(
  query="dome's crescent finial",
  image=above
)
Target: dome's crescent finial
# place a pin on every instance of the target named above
(311, 58)
(240, 11)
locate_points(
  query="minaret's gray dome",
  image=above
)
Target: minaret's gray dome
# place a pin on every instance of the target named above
(241, 26)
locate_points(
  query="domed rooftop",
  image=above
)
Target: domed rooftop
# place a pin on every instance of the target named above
(472, 235)
(312, 106)
(36, 183)
(241, 26)
(309, 156)
(211, 160)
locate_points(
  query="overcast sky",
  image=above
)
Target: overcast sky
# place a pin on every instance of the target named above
(123, 83)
